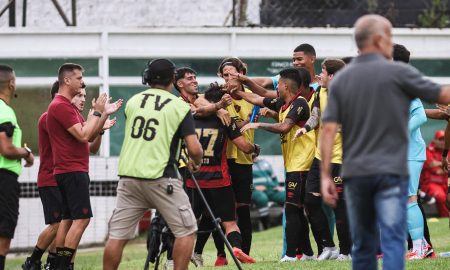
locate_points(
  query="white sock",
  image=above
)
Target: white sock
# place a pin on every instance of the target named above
(418, 246)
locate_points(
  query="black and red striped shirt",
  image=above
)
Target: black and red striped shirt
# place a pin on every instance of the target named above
(213, 137)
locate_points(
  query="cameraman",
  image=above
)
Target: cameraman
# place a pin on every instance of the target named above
(156, 121)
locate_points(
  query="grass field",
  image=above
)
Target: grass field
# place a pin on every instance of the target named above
(266, 250)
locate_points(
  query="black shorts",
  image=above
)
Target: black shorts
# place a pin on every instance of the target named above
(242, 181)
(295, 187)
(221, 200)
(9, 203)
(74, 189)
(313, 180)
(51, 203)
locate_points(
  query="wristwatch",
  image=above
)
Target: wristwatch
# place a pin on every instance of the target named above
(27, 149)
(97, 114)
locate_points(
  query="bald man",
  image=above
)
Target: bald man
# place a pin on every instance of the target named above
(374, 124)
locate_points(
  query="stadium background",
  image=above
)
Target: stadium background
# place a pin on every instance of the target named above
(114, 39)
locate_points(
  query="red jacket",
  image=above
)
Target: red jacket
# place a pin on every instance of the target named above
(432, 171)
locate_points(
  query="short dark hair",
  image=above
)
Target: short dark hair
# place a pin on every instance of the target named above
(54, 89)
(305, 76)
(214, 93)
(293, 75)
(235, 62)
(306, 49)
(347, 59)
(6, 69)
(5, 74)
(332, 65)
(179, 74)
(67, 67)
(401, 53)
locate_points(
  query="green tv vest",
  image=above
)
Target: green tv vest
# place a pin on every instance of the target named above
(152, 120)
(7, 115)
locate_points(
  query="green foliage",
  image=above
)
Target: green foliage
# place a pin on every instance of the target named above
(372, 6)
(436, 15)
(266, 249)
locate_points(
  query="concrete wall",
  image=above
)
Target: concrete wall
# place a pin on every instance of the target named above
(130, 13)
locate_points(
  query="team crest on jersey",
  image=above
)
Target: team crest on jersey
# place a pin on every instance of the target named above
(237, 108)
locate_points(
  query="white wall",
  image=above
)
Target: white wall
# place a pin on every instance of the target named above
(131, 13)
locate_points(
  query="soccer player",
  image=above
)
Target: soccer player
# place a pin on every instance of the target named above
(303, 56)
(186, 83)
(69, 136)
(50, 197)
(297, 154)
(11, 155)
(416, 157)
(213, 177)
(240, 163)
(313, 201)
(156, 123)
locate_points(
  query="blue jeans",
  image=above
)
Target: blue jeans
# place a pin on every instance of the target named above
(382, 200)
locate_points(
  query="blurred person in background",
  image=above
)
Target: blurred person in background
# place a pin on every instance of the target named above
(434, 179)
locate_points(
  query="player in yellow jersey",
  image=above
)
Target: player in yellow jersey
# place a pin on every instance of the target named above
(293, 112)
(313, 201)
(239, 163)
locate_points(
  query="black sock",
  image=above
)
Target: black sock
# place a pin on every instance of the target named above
(292, 229)
(2, 262)
(318, 219)
(426, 231)
(66, 257)
(202, 237)
(342, 227)
(410, 243)
(304, 241)
(51, 259)
(235, 239)
(245, 226)
(219, 243)
(37, 254)
(59, 256)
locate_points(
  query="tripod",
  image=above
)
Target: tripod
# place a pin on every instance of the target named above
(152, 256)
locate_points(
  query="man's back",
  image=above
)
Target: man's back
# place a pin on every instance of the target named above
(152, 135)
(371, 99)
(213, 136)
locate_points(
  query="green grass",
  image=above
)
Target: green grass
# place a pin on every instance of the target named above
(266, 249)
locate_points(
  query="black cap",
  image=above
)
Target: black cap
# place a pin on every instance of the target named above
(159, 69)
